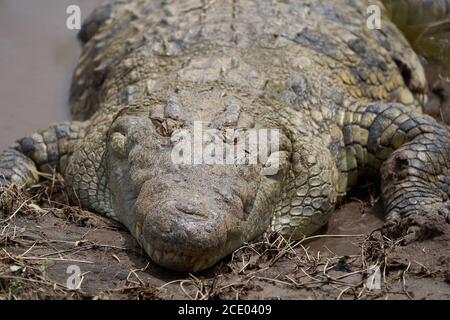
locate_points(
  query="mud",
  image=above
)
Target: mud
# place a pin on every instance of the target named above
(41, 235)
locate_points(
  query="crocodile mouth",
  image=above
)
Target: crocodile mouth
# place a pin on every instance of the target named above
(177, 261)
(181, 234)
(189, 250)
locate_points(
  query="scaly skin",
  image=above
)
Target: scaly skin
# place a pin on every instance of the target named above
(343, 98)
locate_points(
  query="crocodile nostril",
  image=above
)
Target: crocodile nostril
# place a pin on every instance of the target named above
(191, 210)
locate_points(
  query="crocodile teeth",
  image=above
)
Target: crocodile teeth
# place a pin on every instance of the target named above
(163, 256)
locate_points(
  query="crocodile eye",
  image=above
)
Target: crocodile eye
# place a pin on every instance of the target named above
(119, 144)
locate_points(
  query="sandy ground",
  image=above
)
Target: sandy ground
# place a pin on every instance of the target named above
(41, 237)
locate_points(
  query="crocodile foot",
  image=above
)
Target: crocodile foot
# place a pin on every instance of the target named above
(416, 184)
(419, 226)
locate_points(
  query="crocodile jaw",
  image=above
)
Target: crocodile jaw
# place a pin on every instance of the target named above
(184, 235)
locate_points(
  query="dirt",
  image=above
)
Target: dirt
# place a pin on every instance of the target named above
(41, 236)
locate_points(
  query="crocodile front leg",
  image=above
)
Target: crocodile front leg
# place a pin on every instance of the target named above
(44, 151)
(309, 192)
(415, 181)
(412, 153)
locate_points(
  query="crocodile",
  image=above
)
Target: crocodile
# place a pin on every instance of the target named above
(344, 98)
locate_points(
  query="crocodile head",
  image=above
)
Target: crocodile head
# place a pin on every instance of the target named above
(186, 216)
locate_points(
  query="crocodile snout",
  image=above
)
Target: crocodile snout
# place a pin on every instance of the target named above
(180, 235)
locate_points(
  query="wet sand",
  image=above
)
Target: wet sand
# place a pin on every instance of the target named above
(39, 242)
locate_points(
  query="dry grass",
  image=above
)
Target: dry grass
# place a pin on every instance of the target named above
(270, 267)
(255, 264)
